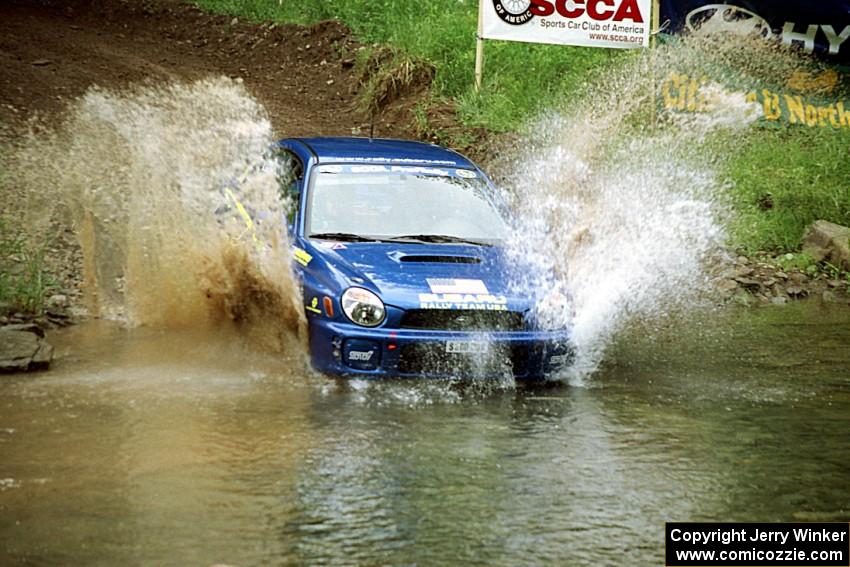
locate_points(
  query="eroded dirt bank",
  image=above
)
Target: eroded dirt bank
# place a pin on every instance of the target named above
(52, 51)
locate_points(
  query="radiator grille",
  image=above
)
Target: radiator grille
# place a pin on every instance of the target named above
(463, 320)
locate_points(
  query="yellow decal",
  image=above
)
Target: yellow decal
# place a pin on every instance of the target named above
(301, 256)
(249, 222)
(314, 306)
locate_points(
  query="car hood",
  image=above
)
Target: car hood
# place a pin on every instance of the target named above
(435, 276)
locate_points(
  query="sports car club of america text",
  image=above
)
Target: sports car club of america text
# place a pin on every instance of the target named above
(611, 23)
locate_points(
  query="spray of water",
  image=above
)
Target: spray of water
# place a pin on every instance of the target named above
(622, 205)
(173, 193)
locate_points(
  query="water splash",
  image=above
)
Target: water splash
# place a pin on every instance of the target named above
(621, 205)
(174, 196)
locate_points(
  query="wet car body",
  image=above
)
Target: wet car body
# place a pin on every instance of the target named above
(449, 306)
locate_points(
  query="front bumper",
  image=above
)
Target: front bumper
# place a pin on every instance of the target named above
(345, 349)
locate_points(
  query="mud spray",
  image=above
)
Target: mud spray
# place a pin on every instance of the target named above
(149, 180)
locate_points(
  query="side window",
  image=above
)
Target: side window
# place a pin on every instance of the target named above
(289, 181)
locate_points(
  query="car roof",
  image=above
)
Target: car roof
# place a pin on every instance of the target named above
(382, 150)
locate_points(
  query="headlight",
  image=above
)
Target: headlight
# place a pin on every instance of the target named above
(363, 307)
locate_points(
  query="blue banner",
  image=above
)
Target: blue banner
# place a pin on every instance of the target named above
(821, 27)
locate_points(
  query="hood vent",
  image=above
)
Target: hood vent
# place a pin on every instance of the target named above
(432, 259)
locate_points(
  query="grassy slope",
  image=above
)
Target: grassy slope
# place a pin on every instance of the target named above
(783, 180)
(787, 178)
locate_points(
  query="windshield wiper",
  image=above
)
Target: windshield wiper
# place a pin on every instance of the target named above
(343, 237)
(437, 238)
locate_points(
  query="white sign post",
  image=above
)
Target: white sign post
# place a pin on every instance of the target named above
(622, 24)
(479, 47)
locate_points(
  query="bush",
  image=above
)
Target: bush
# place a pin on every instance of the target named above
(24, 280)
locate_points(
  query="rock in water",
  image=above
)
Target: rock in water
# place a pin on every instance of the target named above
(24, 348)
(828, 241)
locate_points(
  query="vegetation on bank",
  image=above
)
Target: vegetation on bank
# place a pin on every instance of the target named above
(24, 279)
(783, 178)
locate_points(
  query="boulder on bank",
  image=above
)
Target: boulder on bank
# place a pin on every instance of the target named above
(24, 348)
(828, 241)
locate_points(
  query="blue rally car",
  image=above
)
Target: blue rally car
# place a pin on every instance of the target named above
(400, 248)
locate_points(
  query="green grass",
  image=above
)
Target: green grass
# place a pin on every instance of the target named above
(519, 78)
(786, 178)
(24, 280)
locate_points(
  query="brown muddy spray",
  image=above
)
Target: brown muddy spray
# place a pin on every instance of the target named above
(150, 181)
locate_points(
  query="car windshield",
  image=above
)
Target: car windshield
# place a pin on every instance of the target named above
(382, 202)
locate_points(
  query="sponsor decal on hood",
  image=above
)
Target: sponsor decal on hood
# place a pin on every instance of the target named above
(461, 294)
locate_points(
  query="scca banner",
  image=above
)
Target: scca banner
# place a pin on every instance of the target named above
(591, 23)
(821, 27)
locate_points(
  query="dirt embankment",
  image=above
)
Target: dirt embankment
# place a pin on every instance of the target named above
(52, 51)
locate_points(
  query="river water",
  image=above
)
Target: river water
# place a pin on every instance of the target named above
(142, 447)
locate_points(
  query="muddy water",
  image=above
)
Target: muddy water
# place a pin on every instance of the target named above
(147, 448)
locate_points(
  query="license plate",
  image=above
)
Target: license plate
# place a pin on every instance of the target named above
(467, 347)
